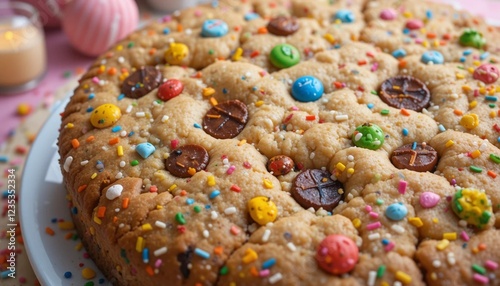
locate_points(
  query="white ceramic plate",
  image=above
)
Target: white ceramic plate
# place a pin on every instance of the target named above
(43, 200)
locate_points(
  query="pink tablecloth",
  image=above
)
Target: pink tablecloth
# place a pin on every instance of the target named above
(65, 62)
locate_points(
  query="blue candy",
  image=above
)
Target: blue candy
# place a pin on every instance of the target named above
(307, 88)
(399, 53)
(396, 211)
(432, 56)
(214, 28)
(251, 16)
(345, 16)
(145, 149)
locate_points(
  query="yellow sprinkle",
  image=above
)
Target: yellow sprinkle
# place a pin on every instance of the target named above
(476, 63)
(497, 89)
(416, 221)
(147, 226)
(356, 222)
(403, 277)
(213, 101)
(383, 283)
(159, 175)
(482, 90)
(211, 181)
(69, 125)
(423, 30)
(408, 14)
(159, 207)
(466, 88)
(92, 230)
(338, 21)
(242, 142)
(191, 171)
(435, 220)
(172, 187)
(139, 244)
(470, 70)
(259, 103)
(119, 48)
(434, 276)
(475, 250)
(102, 68)
(123, 76)
(88, 273)
(268, 184)
(491, 91)
(79, 246)
(474, 154)
(208, 91)
(460, 76)
(436, 43)
(330, 38)
(66, 225)
(237, 54)
(493, 114)
(93, 176)
(250, 256)
(442, 244)
(119, 150)
(340, 166)
(425, 44)
(449, 143)
(350, 171)
(450, 235)
(472, 104)
(97, 220)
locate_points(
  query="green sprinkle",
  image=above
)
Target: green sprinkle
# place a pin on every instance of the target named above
(380, 202)
(130, 45)
(476, 169)
(495, 158)
(197, 209)
(66, 74)
(492, 105)
(90, 283)
(134, 163)
(179, 217)
(224, 270)
(384, 111)
(381, 271)
(210, 52)
(374, 92)
(479, 269)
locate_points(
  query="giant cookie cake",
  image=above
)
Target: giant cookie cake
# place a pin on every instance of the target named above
(291, 142)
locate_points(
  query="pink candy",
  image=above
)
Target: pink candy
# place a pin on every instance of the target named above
(429, 199)
(486, 73)
(388, 14)
(414, 24)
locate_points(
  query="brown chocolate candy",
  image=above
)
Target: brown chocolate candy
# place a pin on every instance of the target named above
(283, 26)
(314, 188)
(418, 157)
(141, 82)
(280, 165)
(226, 119)
(185, 161)
(405, 92)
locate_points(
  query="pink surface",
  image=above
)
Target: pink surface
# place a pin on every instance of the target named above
(62, 59)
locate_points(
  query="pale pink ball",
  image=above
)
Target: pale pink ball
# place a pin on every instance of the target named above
(92, 26)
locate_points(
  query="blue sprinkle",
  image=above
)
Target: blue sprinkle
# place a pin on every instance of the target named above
(214, 194)
(67, 274)
(224, 91)
(405, 132)
(498, 139)
(74, 210)
(92, 95)
(406, 31)
(121, 96)
(268, 263)
(90, 108)
(428, 14)
(441, 128)
(196, 125)
(385, 241)
(399, 53)
(116, 128)
(467, 52)
(484, 55)
(370, 105)
(251, 16)
(201, 253)
(131, 133)
(145, 255)
(491, 98)
(336, 46)
(4, 159)
(145, 149)
(208, 207)
(189, 201)
(462, 59)
(166, 31)
(414, 146)
(254, 88)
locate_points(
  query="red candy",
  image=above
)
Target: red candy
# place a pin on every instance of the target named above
(486, 73)
(337, 254)
(170, 89)
(414, 24)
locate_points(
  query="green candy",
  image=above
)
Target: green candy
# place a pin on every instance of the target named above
(369, 136)
(472, 206)
(284, 56)
(472, 38)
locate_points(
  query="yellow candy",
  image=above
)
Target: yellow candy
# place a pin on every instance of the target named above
(472, 206)
(470, 121)
(105, 115)
(176, 53)
(262, 210)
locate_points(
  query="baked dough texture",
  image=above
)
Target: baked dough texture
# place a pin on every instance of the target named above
(143, 225)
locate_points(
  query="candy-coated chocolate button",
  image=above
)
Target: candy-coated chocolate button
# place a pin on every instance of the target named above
(405, 92)
(105, 115)
(283, 26)
(396, 211)
(185, 161)
(176, 53)
(284, 56)
(226, 119)
(486, 73)
(307, 88)
(388, 14)
(345, 16)
(418, 157)
(313, 188)
(434, 57)
(170, 89)
(472, 206)
(214, 28)
(337, 254)
(141, 82)
(280, 165)
(262, 210)
(414, 24)
(368, 136)
(470, 121)
(145, 149)
(472, 38)
(429, 199)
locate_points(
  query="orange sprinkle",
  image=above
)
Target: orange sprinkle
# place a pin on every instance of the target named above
(254, 271)
(458, 112)
(113, 141)
(310, 117)
(68, 235)
(183, 193)
(213, 101)
(152, 51)
(49, 231)
(179, 28)
(218, 250)
(237, 28)
(405, 112)
(481, 246)
(254, 54)
(75, 143)
(492, 174)
(101, 211)
(402, 63)
(197, 75)
(151, 32)
(112, 71)
(431, 35)
(234, 230)
(82, 188)
(150, 270)
(262, 30)
(446, 37)
(115, 219)
(443, 43)
(90, 138)
(125, 203)
(337, 84)
(361, 62)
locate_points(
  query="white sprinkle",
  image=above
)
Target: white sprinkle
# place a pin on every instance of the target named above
(206, 234)
(114, 192)
(225, 161)
(119, 175)
(140, 114)
(160, 251)
(123, 133)
(397, 228)
(83, 163)
(397, 283)
(275, 278)
(436, 263)
(189, 32)
(454, 96)
(160, 224)
(104, 148)
(121, 225)
(164, 118)
(122, 164)
(67, 163)
(117, 210)
(311, 156)
(230, 210)
(341, 117)
(129, 109)
(291, 246)
(214, 215)
(462, 223)
(483, 146)
(121, 60)
(350, 158)
(451, 258)
(374, 236)
(358, 136)
(372, 275)
(266, 235)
